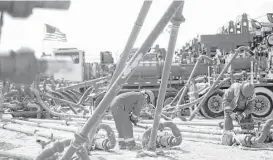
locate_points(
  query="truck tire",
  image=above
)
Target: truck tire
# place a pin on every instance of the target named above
(202, 111)
(263, 102)
(168, 100)
(213, 105)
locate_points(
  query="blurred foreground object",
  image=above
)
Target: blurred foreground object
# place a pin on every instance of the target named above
(23, 9)
(21, 66)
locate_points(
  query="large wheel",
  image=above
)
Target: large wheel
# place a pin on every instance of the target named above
(263, 102)
(213, 105)
(168, 100)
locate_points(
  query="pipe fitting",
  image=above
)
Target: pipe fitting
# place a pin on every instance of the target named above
(166, 140)
(249, 140)
(109, 142)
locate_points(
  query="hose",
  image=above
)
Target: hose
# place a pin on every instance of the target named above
(44, 106)
(265, 132)
(249, 140)
(49, 81)
(176, 139)
(68, 97)
(74, 95)
(38, 109)
(64, 101)
(63, 97)
(163, 141)
(105, 144)
(85, 94)
(58, 147)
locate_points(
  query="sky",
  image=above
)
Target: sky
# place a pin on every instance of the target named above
(100, 25)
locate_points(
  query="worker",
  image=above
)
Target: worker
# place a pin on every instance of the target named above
(126, 109)
(238, 104)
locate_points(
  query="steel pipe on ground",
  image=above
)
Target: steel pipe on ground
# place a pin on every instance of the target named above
(36, 131)
(75, 129)
(15, 155)
(186, 132)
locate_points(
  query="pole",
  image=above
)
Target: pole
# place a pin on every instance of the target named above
(126, 52)
(176, 21)
(81, 137)
(131, 40)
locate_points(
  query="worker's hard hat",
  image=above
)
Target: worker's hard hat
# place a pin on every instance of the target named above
(150, 95)
(247, 89)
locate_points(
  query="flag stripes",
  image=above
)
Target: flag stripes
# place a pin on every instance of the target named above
(54, 34)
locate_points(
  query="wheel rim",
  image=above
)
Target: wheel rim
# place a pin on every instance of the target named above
(168, 101)
(262, 105)
(214, 104)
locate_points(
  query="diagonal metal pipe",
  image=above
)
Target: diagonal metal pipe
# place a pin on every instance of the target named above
(216, 82)
(131, 40)
(126, 52)
(81, 137)
(176, 21)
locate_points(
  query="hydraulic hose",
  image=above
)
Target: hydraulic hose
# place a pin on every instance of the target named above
(44, 106)
(85, 94)
(49, 81)
(38, 109)
(64, 101)
(105, 144)
(166, 140)
(76, 97)
(249, 140)
(68, 97)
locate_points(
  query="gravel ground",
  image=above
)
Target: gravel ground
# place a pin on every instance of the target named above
(191, 150)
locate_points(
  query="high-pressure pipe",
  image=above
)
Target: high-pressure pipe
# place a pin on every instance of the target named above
(176, 20)
(126, 52)
(216, 82)
(84, 84)
(122, 78)
(186, 87)
(131, 40)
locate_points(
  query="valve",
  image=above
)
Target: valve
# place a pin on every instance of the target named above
(247, 140)
(104, 143)
(166, 140)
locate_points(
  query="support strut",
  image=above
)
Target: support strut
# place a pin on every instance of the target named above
(122, 78)
(176, 21)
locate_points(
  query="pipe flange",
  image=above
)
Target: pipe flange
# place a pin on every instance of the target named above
(78, 141)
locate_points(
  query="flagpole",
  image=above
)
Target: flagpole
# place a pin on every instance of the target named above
(43, 36)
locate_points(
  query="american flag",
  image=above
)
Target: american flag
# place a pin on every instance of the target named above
(54, 34)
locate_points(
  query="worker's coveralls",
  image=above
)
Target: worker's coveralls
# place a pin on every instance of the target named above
(233, 98)
(121, 108)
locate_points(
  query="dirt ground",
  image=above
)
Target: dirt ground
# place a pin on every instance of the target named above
(191, 150)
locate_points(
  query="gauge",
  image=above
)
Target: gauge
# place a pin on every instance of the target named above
(270, 39)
